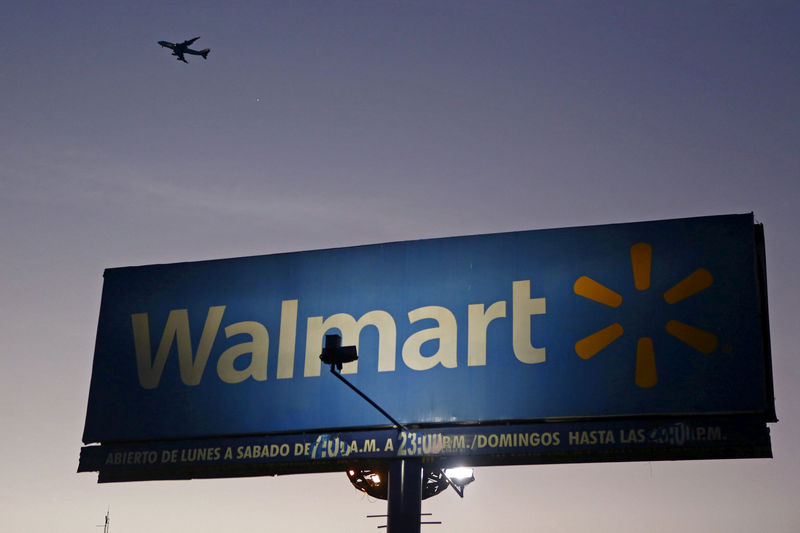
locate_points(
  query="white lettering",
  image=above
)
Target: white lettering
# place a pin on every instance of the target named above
(287, 338)
(477, 324)
(445, 332)
(416, 355)
(523, 307)
(176, 329)
(257, 348)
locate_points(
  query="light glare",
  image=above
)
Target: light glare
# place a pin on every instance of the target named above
(459, 473)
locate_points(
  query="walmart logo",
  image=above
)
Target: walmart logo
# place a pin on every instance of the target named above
(646, 372)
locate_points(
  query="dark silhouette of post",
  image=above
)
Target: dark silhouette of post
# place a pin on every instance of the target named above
(405, 496)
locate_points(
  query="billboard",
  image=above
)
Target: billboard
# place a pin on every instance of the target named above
(651, 321)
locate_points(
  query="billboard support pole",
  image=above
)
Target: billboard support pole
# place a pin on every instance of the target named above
(405, 496)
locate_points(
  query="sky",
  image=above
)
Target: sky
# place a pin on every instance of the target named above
(318, 124)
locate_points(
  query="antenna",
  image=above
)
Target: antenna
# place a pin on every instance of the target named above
(107, 522)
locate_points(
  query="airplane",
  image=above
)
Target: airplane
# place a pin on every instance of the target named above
(178, 49)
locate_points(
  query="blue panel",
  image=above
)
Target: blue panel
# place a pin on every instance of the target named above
(707, 353)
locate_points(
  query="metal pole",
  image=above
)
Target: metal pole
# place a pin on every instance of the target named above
(373, 404)
(405, 496)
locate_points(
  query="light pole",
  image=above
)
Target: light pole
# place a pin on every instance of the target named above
(408, 482)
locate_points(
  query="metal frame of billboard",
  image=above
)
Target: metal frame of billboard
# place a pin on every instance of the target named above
(665, 435)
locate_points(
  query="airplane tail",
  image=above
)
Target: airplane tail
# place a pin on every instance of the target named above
(205, 52)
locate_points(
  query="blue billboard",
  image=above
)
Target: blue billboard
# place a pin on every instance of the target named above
(650, 319)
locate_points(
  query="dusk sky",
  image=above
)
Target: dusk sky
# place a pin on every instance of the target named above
(318, 124)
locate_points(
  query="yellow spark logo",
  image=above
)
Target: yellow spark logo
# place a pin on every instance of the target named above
(641, 257)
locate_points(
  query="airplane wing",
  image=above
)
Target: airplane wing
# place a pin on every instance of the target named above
(190, 41)
(203, 52)
(180, 56)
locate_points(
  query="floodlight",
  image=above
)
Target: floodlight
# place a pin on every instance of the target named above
(375, 481)
(333, 353)
(461, 475)
(459, 478)
(369, 481)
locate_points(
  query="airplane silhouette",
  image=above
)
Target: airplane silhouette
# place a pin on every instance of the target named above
(178, 49)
